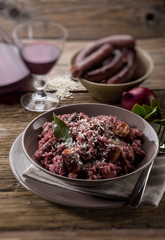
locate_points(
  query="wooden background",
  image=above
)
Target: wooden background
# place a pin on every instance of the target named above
(90, 19)
(23, 215)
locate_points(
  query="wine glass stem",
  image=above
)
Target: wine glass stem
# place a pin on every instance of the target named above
(39, 95)
(39, 84)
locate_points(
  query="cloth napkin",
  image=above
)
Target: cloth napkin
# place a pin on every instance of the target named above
(118, 190)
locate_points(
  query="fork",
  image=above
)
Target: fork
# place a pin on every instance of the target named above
(137, 193)
(161, 136)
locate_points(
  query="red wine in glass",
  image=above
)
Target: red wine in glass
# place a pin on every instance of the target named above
(40, 57)
(40, 44)
(12, 69)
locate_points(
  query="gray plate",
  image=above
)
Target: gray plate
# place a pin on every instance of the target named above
(19, 163)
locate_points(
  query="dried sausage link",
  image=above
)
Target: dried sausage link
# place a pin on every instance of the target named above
(117, 41)
(108, 69)
(127, 72)
(91, 61)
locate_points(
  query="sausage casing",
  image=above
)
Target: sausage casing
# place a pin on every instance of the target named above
(108, 69)
(117, 41)
(127, 72)
(80, 68)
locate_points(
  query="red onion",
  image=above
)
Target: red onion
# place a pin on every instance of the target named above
(139, 95)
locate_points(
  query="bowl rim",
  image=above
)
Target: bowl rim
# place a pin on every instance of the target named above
(146, 75)
(72, 180)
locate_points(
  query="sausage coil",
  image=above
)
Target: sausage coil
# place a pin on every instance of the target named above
(108, 69)
(93, 60)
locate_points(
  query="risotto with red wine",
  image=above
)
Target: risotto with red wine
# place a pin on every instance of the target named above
(103, 147)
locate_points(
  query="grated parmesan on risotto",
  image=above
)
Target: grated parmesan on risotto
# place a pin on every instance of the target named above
(62, 84)
(103, 147)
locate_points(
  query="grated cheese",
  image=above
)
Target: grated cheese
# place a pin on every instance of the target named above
(63, 85)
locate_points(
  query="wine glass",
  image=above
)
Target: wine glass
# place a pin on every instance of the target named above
(40, 44)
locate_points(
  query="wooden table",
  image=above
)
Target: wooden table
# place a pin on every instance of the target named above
(24, 215)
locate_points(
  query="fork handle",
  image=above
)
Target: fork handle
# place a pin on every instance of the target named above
(139, 188)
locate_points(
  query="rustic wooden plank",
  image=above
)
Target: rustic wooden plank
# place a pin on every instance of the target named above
(90, 19)
(31, 212)
(21, 210)
(105, 234)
